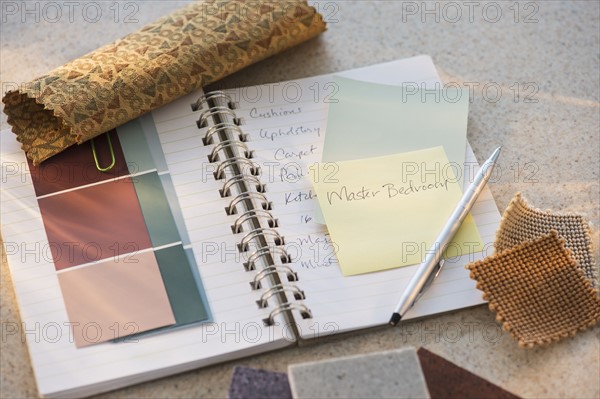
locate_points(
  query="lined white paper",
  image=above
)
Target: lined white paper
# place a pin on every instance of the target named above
(285, 126)
(285, 123)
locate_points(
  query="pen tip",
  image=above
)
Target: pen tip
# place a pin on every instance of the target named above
(496, 154)
(395, 319)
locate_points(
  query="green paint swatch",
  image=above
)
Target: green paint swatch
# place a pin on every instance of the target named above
(155, 208)
(135, 147)
(183, 292)
(164, 221)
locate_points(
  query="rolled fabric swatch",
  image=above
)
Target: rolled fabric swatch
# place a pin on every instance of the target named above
(177, 54)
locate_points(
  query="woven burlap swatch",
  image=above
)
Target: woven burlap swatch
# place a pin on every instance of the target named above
(169, 58)
(522, 222)
(537, 292)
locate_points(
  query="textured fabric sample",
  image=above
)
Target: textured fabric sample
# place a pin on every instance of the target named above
(446, 380)
(537, 291)
(522, 222)
(169, 58)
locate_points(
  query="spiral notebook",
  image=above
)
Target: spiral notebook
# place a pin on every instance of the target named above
(235, 162)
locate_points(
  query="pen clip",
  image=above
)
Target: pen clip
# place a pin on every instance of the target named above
(432, 276)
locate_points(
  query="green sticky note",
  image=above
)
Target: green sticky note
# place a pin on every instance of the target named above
(371, 120)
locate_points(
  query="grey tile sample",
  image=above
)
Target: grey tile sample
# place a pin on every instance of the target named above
(395, 373)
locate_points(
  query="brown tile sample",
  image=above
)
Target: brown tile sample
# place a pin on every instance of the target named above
(446, 380)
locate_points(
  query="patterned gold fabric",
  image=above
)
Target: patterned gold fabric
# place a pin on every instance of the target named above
(169, 58)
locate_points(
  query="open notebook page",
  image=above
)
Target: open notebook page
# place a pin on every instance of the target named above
(305, 102)
(64, 370)
(287, 137)
(337, 303)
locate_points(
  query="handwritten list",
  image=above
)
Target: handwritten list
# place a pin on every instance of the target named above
(286, 126)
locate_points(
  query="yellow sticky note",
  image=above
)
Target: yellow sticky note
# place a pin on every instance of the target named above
(386, 212)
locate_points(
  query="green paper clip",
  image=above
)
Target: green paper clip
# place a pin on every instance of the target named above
(112, 155)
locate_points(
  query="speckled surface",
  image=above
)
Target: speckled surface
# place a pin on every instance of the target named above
(249, 383)
(389, 374)
(547, 53)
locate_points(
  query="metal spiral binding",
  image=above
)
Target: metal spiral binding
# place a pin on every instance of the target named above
(252, 213)
(297, 292)
(220, 172)
(223, 127)
(264, 251)
(254, 234)
(213, 157)
(267, 271)
(212, 96)
(232, 210)
(218, 110)
(225, 191)
(287, 306)
(231, 153)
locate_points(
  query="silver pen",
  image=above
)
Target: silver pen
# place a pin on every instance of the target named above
(431, 266)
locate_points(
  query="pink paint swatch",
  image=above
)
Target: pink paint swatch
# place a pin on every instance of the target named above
(94, 223)
(115, 298)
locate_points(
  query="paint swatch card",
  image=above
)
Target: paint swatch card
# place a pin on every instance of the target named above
(386, 212)
(117, 239)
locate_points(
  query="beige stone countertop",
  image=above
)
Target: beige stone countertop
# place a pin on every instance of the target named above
(534, 69)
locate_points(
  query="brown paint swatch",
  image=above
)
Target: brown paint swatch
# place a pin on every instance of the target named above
(75, 166)
(94, 223)
(115, 298)
(446, 380)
